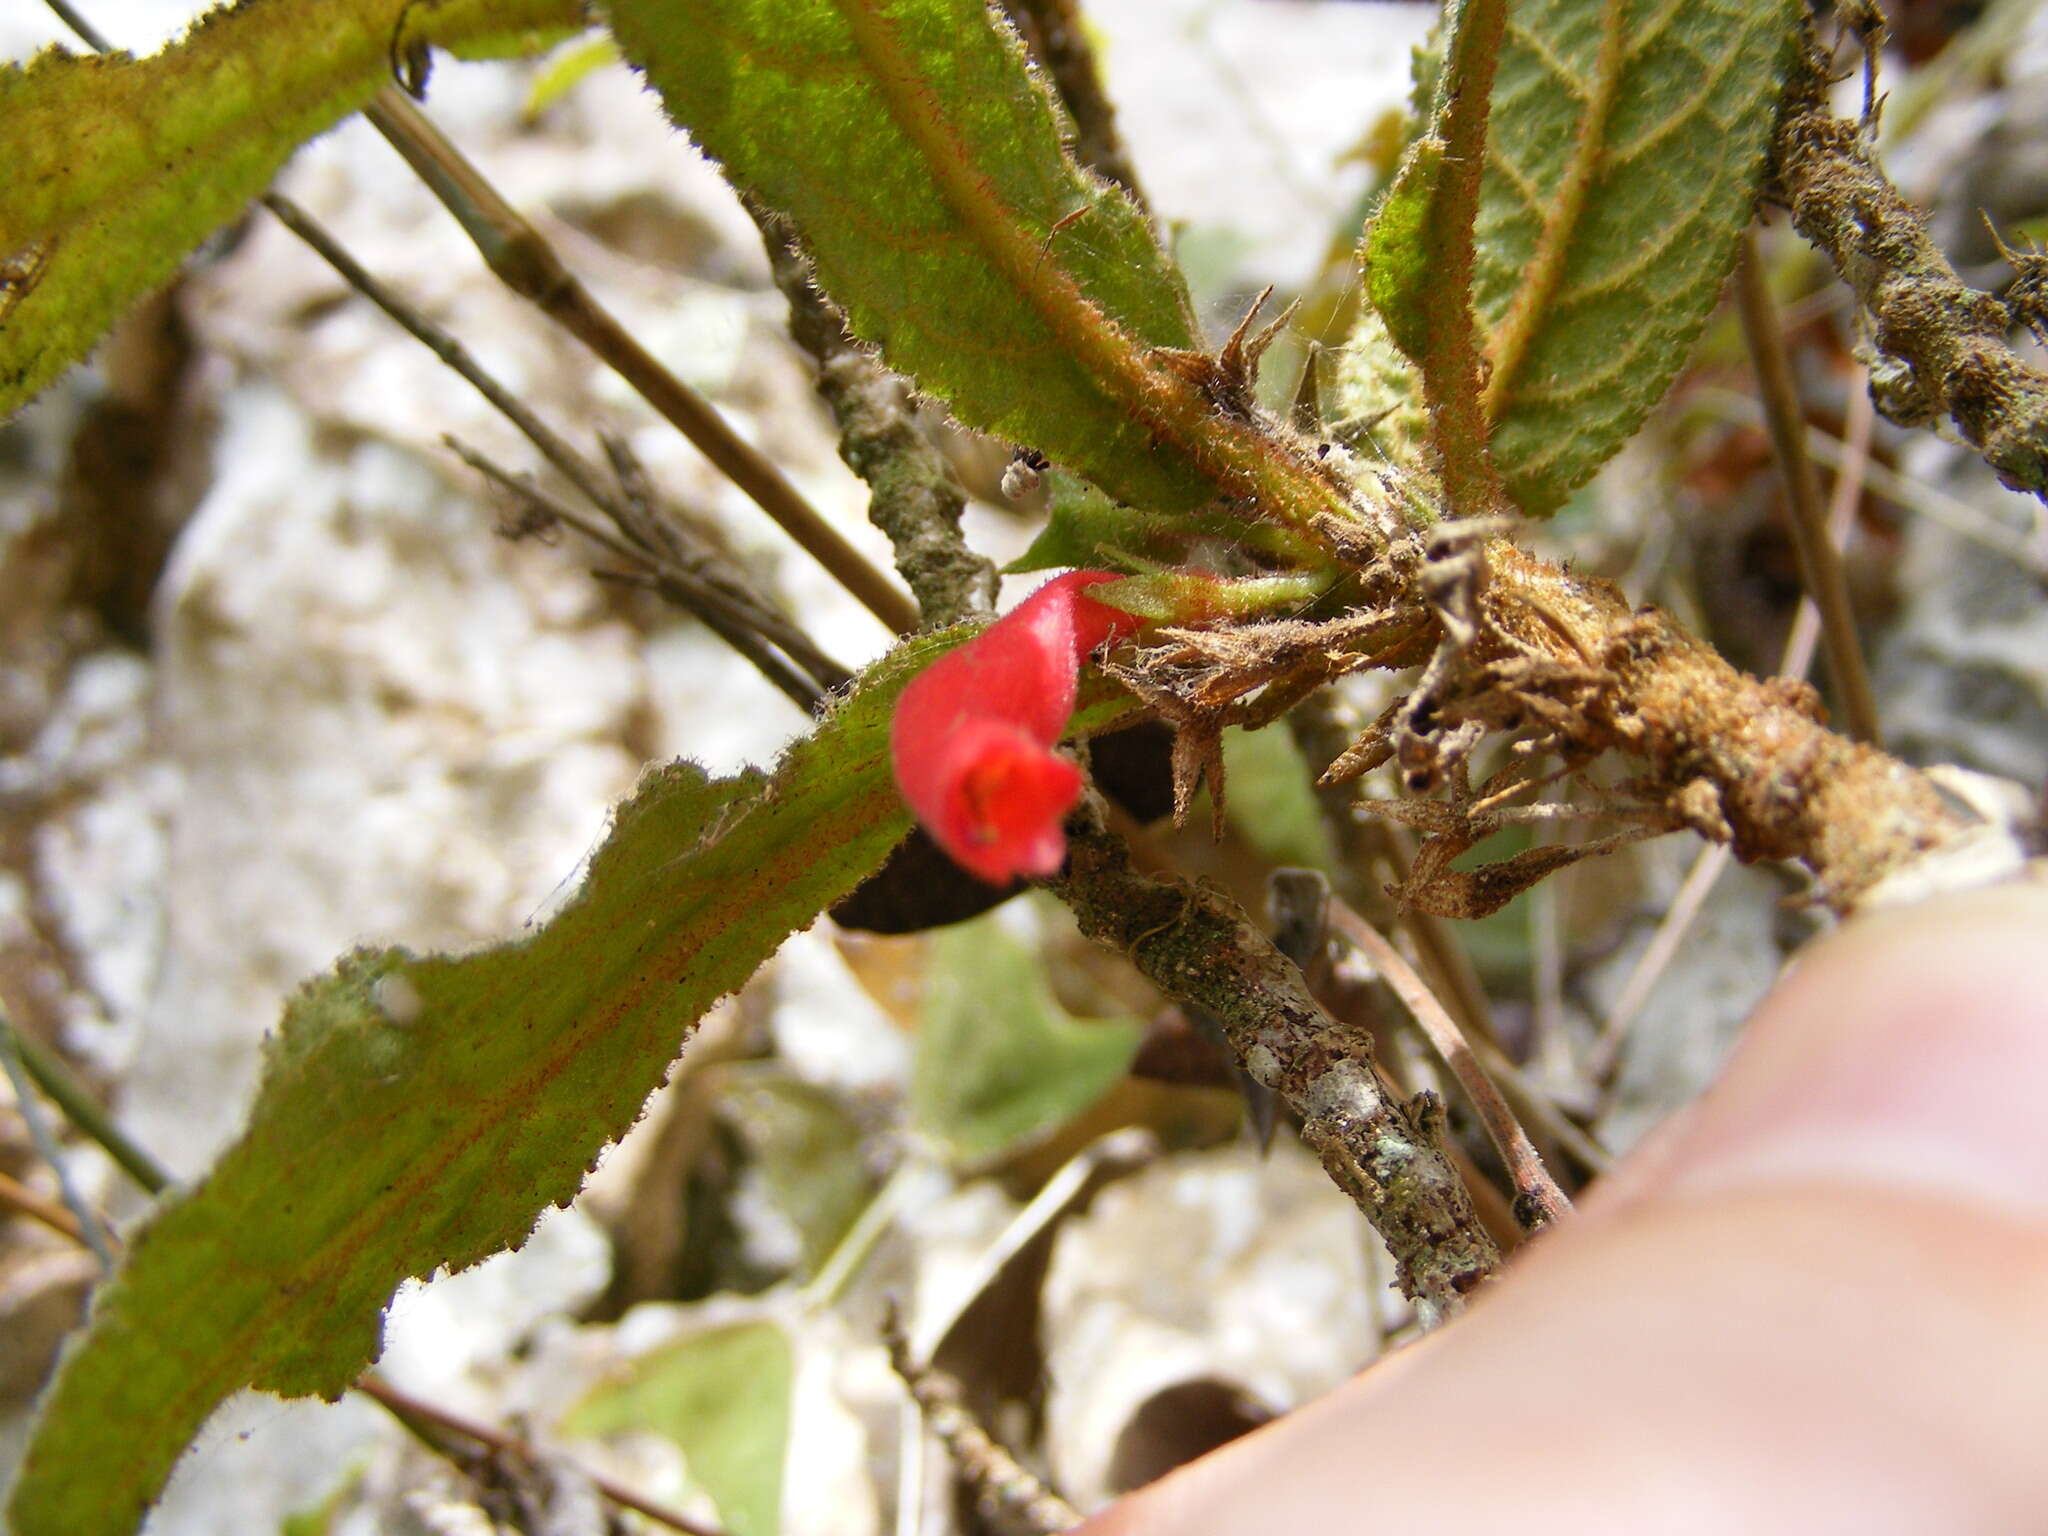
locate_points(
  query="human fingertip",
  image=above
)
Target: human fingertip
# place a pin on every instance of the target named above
(1908, 1049)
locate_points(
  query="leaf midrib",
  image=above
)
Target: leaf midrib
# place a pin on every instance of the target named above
(1526, 310)
(1242, 460)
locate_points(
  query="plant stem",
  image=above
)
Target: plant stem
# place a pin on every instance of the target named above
(1820, 564)
(82, 1110)
(530, 267)
(90, 1231)
(1538, 1200)
(412, 1411)
(59, 1218)
(1387, 1154)
(917, 501)
(1944, 342)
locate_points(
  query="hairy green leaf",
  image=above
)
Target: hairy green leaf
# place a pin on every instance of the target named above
(723, 1397)
(1624, 147)
(1419, 253)
(1628, 140)
(999, 1061)
(420, 1112)
(118, 167)
(922, 160)
(923, 164)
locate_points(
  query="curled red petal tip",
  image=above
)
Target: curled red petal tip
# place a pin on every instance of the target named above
(973, 735)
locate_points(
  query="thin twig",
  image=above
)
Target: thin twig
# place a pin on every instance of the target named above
(1057, 35)
(58, 1218)
(1006, 1492)
(1943, 342)
(1908, 495)
(1538, 1199)
(747, 626)
(408, 1409)
(83, 1111)
(1820, 565)
(94, 38)
(1384, 1151)
(572, 465)
(39, 1132)
(530, 267)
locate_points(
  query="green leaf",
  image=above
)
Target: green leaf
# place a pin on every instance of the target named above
(924, 165)
(923, 162)
(118, 167)
(1419, 253)
(806, 1144)
(1627, 146)
(420, 1112)
(999, 1062)
(1624, 147)
(565, 69)
(723, 1398)
(1270, 803)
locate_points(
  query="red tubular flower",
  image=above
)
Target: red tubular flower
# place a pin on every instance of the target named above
(973, 733)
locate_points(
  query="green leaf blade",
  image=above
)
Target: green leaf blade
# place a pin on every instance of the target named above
(999, 1061)
(417, 1113)
(724, 1397)
(923, 163)
(1626, 145)
(118, 167)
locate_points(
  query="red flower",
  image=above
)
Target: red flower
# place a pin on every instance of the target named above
(973, 733)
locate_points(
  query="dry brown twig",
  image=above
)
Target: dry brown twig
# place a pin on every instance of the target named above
(527, 264)
(1538, 1200)
(1006, 1492)
(1820, 563)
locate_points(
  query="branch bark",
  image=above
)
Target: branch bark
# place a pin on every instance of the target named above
(916, 501)
(1948, 339)
(1385, 1152)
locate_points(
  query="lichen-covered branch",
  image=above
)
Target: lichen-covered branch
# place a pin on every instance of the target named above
(1949, 339)
(1199, 947)
(916, 500)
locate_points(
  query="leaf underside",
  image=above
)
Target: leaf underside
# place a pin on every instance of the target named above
(117, 167)
(1623, 152)
(922, 159)
(422, 1112)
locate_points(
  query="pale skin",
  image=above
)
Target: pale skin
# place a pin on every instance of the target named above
(1817, 1302)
